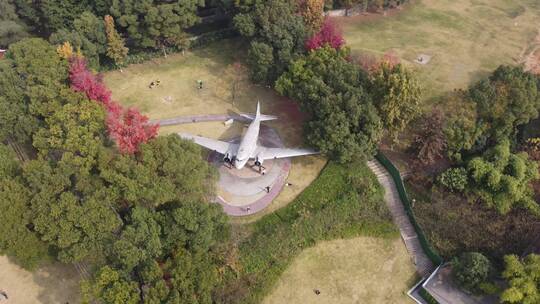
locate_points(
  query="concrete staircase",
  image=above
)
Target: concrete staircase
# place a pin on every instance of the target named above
(423, 264)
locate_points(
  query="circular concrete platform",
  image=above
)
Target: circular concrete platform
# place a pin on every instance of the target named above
(244, 192)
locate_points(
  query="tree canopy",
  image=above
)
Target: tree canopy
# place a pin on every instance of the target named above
(523, 277)
(471, 269)
(344, 122)
(276, 35)
(501, 178)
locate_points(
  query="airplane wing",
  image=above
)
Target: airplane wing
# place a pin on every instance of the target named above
(212, 144)
(272, 153)
(262, 117)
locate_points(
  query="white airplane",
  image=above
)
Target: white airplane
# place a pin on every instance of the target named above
(239, 154)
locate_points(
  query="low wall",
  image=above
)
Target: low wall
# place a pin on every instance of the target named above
(353, 11)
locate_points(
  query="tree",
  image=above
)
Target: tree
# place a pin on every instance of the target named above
(429, 142)
(523, 278)
(502, 179)
(507, 99)
(329, 34)
(65, 50)
(115, 49)
(471, 269)
(156, 23)
(276, 36)
(164, 169)
(344, 123)
(17, 239)
(15, 118)
(12, 29)
(396, 95)
(184, 267)
(139, 240)
(260, 59)
(82, 80)
(70, 210)
(32, 76)
(92, 28)
(454, 179)
(131, 130)
(312, 12)
(109, 286)
(462, 129)
(79, 43)
(193, 225)
(74, 133)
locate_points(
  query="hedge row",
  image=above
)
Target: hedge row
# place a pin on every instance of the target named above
(427, 296)
(394, 172)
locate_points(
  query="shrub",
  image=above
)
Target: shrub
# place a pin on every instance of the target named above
(427, 296)
(470, 270)
(454, 179)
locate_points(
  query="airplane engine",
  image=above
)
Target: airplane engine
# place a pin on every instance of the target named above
(259, 160)
(227, 158)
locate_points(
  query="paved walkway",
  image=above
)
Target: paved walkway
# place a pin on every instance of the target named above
(442, 287)
(423, 264)
(195, 118)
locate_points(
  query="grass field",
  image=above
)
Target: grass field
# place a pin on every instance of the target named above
(466, 38)
(359, 270)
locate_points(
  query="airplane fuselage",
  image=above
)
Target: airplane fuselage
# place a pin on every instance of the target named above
(248, 144)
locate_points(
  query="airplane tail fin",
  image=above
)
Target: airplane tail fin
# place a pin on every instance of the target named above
(258, 115)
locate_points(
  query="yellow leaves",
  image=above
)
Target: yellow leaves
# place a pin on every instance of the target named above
(66, 51)
(312, 11)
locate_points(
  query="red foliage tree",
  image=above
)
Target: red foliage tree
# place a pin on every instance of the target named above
(82, 80)
(128, 128)
(329, 34)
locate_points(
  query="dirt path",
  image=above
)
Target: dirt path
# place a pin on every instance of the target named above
(55, 284)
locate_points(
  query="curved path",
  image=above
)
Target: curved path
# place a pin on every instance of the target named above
(423, 264)
(246, 192)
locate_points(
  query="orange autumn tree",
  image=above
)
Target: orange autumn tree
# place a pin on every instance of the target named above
(312, 12)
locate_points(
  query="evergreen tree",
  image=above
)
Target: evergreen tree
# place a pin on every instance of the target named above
(12, 29)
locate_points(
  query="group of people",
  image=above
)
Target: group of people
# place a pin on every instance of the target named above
(154, 84)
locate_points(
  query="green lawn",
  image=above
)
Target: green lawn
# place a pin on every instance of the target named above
(359, 270)
(466, 38)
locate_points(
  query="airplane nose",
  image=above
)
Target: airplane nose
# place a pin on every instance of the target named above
(238, 165)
